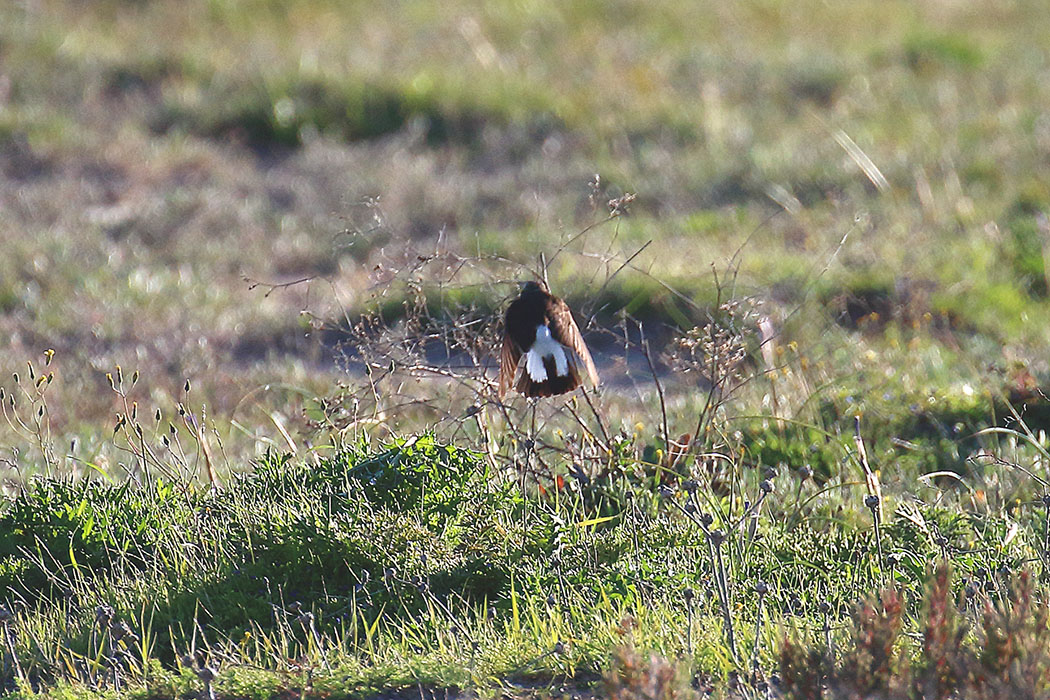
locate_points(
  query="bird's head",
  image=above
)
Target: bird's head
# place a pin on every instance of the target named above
(533, 287)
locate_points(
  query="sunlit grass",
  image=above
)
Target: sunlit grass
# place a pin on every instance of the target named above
(213, 194)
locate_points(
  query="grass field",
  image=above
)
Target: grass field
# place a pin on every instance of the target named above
(255, 255)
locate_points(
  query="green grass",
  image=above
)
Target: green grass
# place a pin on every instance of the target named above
(417, 564)
(273, 240)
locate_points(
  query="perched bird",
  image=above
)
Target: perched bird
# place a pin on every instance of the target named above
(543, 352)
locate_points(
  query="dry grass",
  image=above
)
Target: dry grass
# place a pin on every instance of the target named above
(249, 228)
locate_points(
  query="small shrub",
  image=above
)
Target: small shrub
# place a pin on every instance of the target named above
(1009, 656)
(634, 677)
(418, 474)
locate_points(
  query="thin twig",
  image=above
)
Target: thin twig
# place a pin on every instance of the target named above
(659, 387)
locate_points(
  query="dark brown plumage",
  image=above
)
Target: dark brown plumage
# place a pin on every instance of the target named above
(533, 310)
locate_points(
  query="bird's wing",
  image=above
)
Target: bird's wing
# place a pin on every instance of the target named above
(509, 357)
(565, 331)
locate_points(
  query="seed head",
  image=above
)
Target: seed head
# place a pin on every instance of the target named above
(618, 206)
(766, 486)
(104, 614)
(871, 501)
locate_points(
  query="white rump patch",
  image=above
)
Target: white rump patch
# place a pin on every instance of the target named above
(545, 346)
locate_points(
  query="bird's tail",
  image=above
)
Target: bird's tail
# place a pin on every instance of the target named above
(553, 384)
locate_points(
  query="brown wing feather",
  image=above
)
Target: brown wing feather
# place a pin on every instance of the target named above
(509, 357)
(565, 331)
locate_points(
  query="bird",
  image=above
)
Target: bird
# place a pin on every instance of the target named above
(543, 352)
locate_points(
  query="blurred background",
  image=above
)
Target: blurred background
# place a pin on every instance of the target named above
(215, 193)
